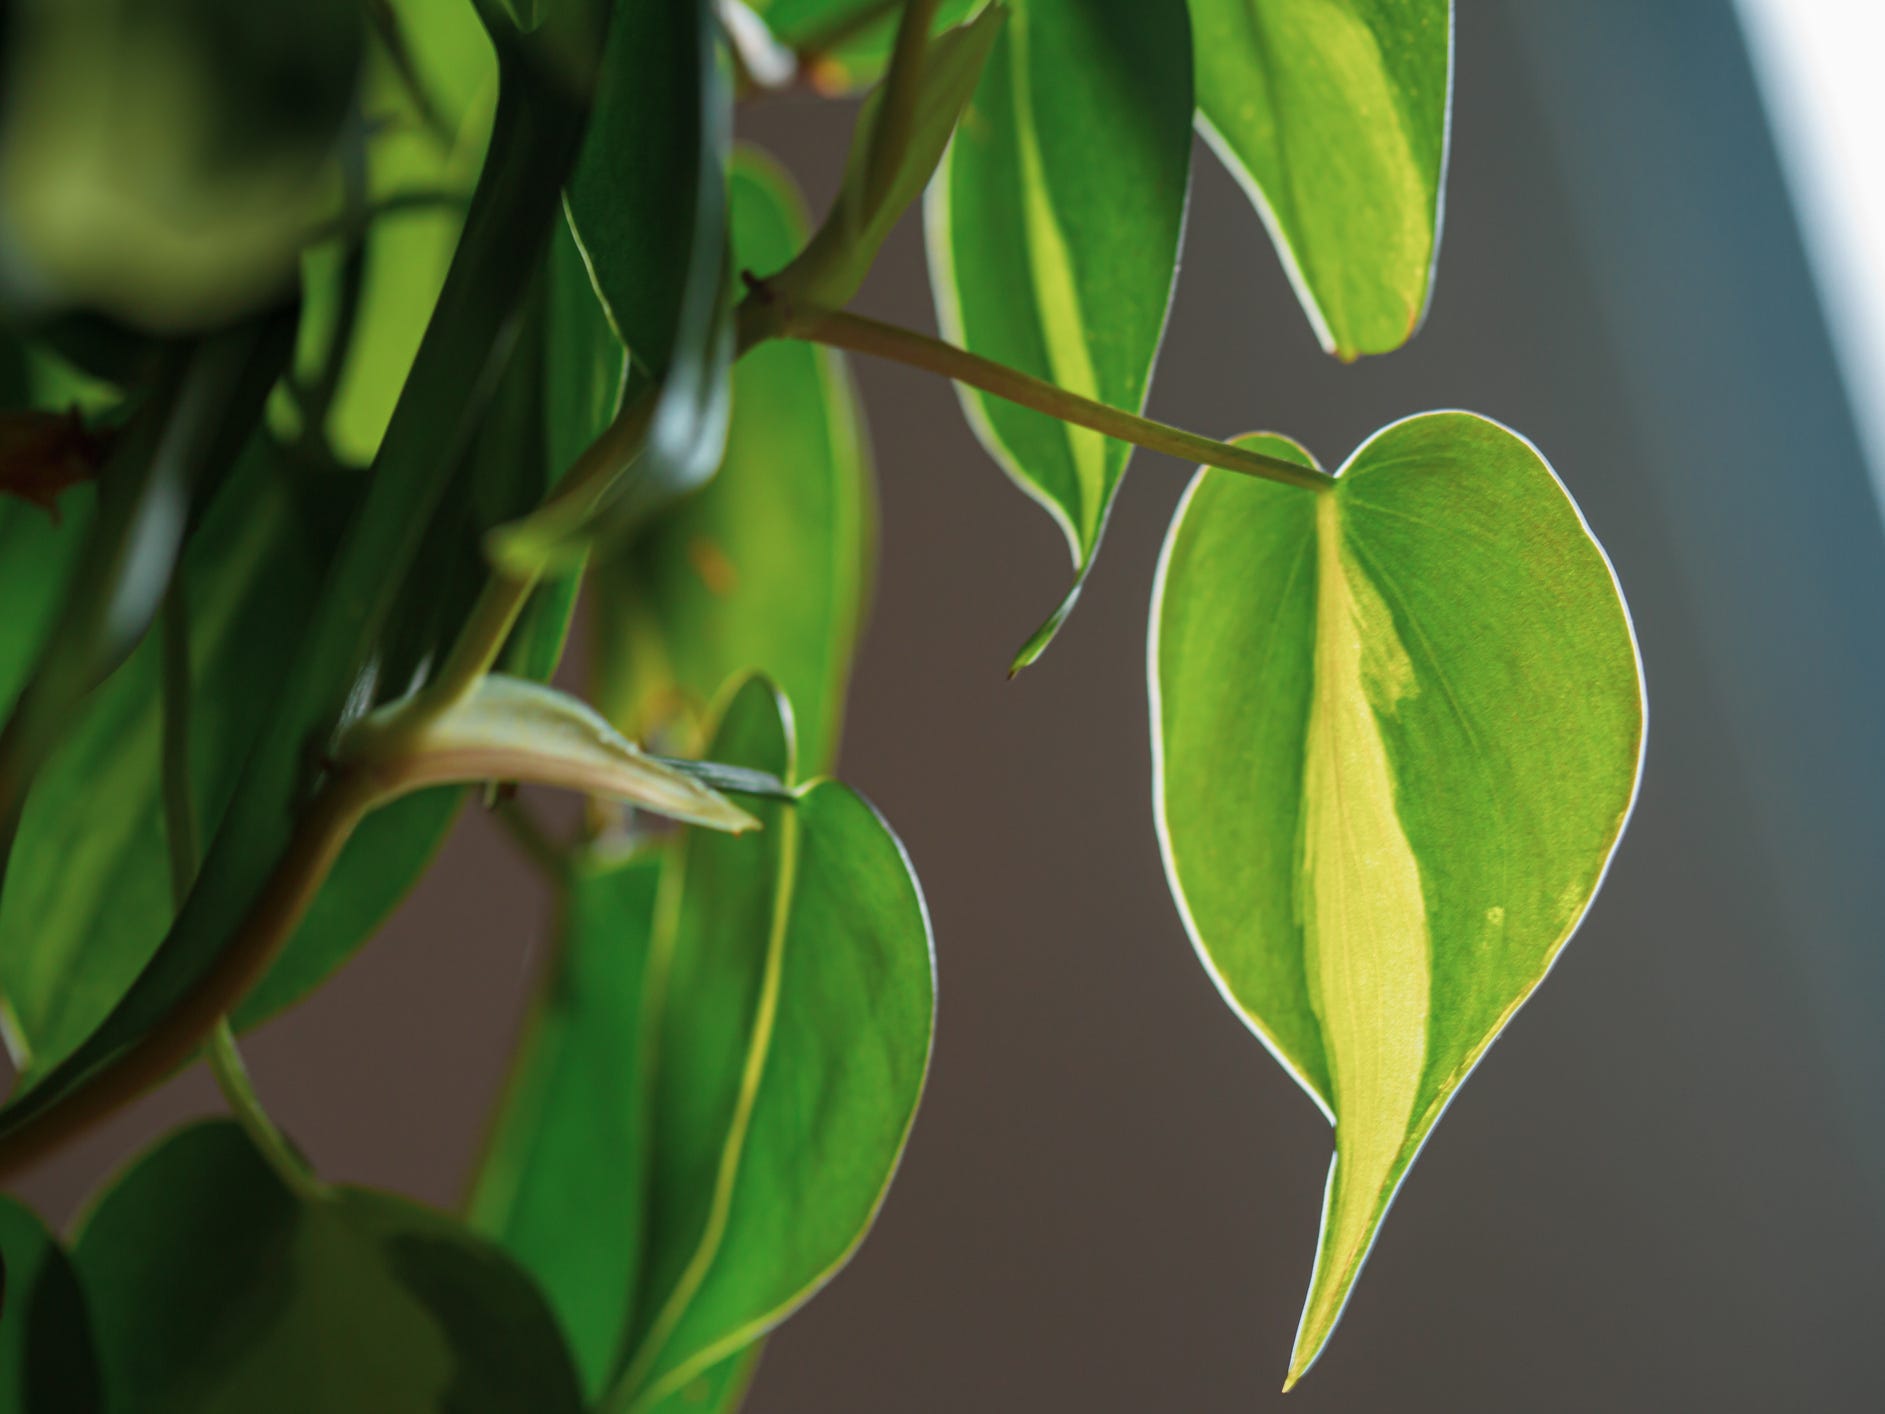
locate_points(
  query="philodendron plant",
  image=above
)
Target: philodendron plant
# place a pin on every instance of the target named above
(348, 342)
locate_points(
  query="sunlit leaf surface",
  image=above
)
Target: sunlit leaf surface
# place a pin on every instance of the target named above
(1397, 729)
(1053, 237)
(1333, 116)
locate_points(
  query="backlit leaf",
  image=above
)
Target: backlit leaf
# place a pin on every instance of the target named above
(1334, 116)
(1397, 728)
(796, 996)
(213, 1287)
(1053, 238)
(764, 567)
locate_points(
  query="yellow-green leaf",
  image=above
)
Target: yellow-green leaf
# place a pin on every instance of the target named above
(1397, 729)
(1053, 231)
(1333, 114)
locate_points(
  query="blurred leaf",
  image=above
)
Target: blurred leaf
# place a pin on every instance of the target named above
(428, 124)
(793, 982)
(213, 1287)
(1053, 238)
(844, 45)
(513, 729)
(87, 896)
(832, 266)
(1397, 732)
(166, 162)
(765, 567)
(561, 1187)
(47, 1365)
(542, 109)
(720, 1389)
(1333, 116)
(647, 204)
(36, 555)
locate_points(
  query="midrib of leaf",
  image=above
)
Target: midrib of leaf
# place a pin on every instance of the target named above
(630, 1394)
(1364, 917)
(1063, 328)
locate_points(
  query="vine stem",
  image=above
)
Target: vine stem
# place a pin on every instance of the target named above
(181, 836)
(902, 87)
(857, 333)
(319, 834)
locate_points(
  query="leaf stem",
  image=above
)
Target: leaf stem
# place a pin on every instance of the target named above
(144, 1063)
(902, 87)
(859, 334)
(232, 1078)
(180, 832)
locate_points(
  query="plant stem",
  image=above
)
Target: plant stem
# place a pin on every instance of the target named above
(902, 87)
(143, 1064)
(859, 334)
(225, 1061)
(232, 1078)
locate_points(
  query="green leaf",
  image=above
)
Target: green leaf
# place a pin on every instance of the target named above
(429, 103)
(541, 113)
(833, 264)
(1397, 729)
(647, 205)
(214, 1287)
(512, 729)
(36, 556)
(166, 162)
(87, 897)
(1334, 118)
(47, 1365)
(796, 994)
(1053, 238)
(719, 1390)
(765, 567)
(561, 1187)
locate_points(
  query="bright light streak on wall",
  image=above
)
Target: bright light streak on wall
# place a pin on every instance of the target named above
(1818, 67)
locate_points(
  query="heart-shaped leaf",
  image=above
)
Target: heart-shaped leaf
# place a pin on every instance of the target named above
(1397, 728)
(1333, 116)
(763, 568)
(47, 1364)
(213, 1287)
(1053, 238)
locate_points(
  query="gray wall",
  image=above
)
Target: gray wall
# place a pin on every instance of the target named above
(1662, 1190)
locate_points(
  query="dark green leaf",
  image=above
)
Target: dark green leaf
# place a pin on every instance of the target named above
(1397, 729)
(1333, 116)
(765, 567)
(1053, 238)
(647, 204)
(47, 1365)
(213, 1287)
